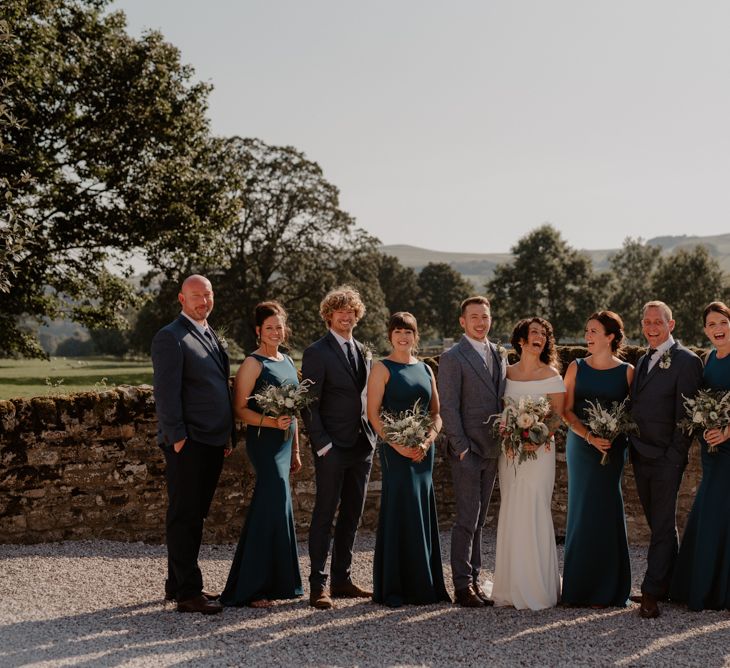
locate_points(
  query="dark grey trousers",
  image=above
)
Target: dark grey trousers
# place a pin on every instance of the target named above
(342, 480)
(473, 483)
(657, 482)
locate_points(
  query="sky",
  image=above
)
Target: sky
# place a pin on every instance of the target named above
(463, 125)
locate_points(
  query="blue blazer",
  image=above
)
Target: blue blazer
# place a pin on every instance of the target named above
(192, 393)
(338, 415)
(657, 405)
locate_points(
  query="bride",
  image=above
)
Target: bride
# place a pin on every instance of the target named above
(526, 571)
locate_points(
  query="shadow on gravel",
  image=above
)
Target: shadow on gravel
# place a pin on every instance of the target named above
(364, 634)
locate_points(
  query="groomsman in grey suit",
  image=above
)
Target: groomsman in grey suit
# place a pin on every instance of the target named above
(195, 430)
(666, 374)
(342, 443)
(471, 383)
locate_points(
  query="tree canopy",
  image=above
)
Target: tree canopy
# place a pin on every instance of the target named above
(103, 155)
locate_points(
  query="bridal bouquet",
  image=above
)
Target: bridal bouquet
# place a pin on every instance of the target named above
(610, 422)
(408, 428)
(278, 400)
(524, 421)
(708, 409)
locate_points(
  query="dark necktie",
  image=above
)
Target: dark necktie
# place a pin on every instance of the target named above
(351, 357)
(211, 341)
(645, 366)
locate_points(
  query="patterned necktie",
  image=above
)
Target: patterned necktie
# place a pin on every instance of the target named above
(351, 357)
(211, 340)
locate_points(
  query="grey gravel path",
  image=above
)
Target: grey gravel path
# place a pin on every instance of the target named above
(100, 604)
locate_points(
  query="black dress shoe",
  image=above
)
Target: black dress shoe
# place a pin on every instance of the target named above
(200, 604)
(482, 595)
(636, 598)
(467, 598)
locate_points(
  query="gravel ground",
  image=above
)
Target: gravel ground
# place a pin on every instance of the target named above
(99, 603)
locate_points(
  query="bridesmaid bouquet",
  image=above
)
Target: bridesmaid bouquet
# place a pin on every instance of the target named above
(609, 423)
(708, 409)
(524, 421)
(288, 399)
(408, 428)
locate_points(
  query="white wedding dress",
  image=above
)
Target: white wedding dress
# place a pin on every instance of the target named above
(526, 573)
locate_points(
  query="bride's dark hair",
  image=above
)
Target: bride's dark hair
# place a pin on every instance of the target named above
(549, 354)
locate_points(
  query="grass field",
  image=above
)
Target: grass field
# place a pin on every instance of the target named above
(64, 375)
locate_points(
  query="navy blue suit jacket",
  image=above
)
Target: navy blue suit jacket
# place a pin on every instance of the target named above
(657, 405)
(338, 416)
(192, 393)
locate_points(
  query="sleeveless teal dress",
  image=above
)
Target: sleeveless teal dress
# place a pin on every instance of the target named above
(596, 568)
(702, 572)
(407, 565)
(266, 563)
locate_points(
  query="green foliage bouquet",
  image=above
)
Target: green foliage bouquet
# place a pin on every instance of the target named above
(708, 409)
(610, 421)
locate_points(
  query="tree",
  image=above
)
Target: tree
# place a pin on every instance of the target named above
(633, 268)
(281, 234)
(112, 151)
(399, 285)
(442, 290)
(688, 280)
(546, 278)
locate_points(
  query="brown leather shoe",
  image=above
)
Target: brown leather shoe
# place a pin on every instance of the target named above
(649, 608)
(636, 598)
(207, 594)
(467, 598)
(481, 594)
(200, 604)
(319, 599)
(349, 590)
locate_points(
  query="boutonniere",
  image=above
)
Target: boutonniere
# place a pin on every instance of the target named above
(222, 341)
(367, 351)
(502, 351)
(665, 361)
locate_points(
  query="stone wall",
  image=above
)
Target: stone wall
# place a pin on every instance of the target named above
(87, 466)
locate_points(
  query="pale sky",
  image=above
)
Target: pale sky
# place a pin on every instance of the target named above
(462, 125)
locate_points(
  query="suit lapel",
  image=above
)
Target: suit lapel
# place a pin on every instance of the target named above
(654, 371)
(340, 354)
(477, 363)
(218, 359)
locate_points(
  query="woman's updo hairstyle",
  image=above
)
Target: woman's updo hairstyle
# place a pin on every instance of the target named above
(612, 324)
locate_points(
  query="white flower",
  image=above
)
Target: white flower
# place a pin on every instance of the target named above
(289, 403)
(666, 360)
(698, 417)
(525, 421)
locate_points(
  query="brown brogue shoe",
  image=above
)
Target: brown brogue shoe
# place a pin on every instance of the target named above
(481, 594)
(319, 599)
(349, 590)
(200, 604)
(207, 594)
(467, 598)
(649, 608)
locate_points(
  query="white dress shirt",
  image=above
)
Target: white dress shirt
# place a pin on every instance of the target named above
(661, 349)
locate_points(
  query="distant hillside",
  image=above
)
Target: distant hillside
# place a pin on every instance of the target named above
(479, 267)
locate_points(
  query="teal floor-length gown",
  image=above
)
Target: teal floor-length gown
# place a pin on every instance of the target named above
(702, 572)
(407, 564)
(266, 563)
(596, 569)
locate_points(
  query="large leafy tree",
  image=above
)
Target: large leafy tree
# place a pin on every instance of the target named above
(109, 150)
(546, 278)
(632, 269)
(442, 289)
(281, 235)
(688, 280)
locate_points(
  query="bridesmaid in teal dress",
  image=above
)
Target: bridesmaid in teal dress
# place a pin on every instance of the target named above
(266, 564)
(596, 569)
(407, 566)
(702, 572)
